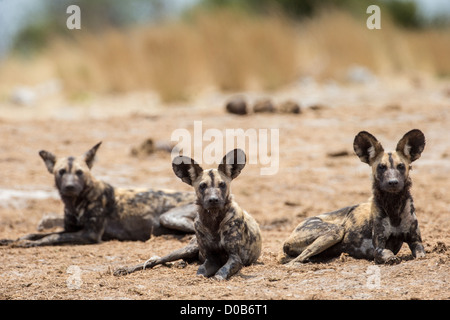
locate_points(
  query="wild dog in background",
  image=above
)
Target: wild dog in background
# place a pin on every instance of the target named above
(373, 230)
(227, 237)
(95, 211)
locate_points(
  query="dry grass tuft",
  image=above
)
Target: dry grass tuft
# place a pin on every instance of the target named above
(227, 49)
(231, 51)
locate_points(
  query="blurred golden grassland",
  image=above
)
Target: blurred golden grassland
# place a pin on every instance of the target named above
(229, 50)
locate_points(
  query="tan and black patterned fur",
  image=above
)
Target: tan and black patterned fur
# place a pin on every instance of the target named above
(95, 211)
(373, 230)
(227, 237)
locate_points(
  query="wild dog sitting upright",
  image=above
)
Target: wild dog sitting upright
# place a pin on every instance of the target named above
(227, 237)
(372, 230)
(95, 211)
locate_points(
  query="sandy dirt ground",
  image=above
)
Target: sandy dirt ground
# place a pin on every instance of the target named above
(318, 172)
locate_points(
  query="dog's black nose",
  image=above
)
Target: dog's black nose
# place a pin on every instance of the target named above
(69, 188)
(393, 182)
(213, 200)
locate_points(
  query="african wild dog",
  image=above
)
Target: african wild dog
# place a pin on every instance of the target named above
(227, 237)
(373, 230)
(94, 210)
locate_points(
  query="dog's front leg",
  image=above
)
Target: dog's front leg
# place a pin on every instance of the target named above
(379, 240)
(25, 239)
(209, 267)
(233, 265)
(91, 232)
(415, 242)
(417, 249)
(28, 237)
(36, 236)
(79, 237)
(385, 256)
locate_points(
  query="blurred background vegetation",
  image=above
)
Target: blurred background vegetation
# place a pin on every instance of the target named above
(177, 48)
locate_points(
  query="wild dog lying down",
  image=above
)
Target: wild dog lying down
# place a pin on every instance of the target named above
(94, 210)
(227, 237)
(373, 230)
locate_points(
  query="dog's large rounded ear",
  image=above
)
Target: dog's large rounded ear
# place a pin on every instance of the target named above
(411, 145)
(186, 169)
(89, 156)
(49, 160)
(367, 147)
(233, 163)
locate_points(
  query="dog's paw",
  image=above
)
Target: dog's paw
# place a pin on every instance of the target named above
(201, 271)
(297, 262)
(283, 258)
(5, 242)
(120, 272)
(220, 277)
(420, 255)
(392, 260)
(23, 244)
(293, 264)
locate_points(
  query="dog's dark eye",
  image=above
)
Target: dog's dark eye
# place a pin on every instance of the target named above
(62, 172)
(202, 186)
(79, 173)
(222, 185)
(382, 167)
(401, 166)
